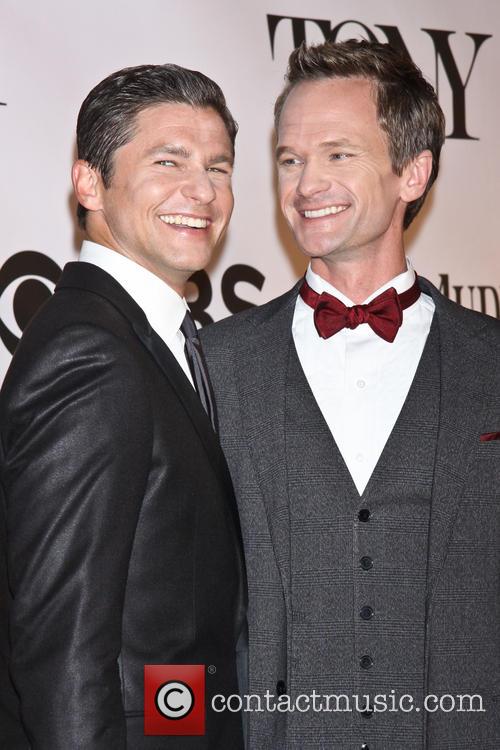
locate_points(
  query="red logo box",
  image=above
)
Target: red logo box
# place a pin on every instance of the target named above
(174, 699)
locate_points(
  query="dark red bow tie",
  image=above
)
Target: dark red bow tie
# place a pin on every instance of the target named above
(384, 314)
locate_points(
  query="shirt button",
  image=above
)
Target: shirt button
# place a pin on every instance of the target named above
(361, 383)
(366, 613)
(364, 515)
(366, 661)
(359, 457)
(366, 563)
(364, 746)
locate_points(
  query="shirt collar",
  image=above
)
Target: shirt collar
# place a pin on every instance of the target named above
(163, 307)
(401, 283)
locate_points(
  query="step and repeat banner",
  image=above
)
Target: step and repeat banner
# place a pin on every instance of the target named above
(53, 52)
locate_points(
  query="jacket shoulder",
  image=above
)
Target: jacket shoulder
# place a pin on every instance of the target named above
(468, 322)
(471, 319)
(73, 307)
(66, 344)
(245, 323)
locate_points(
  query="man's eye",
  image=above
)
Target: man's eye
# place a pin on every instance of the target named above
(340, 156)
(290, 162)
(219, 170)
(166, 163)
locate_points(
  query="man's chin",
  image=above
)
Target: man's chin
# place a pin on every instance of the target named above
(320, 250)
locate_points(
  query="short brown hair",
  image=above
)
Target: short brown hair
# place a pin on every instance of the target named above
(407, 106)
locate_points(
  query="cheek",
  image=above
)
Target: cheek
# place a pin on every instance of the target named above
(286, 193)
(372, 186)
(360, 179)
(222, 207)
(153, 189)
(228, 202)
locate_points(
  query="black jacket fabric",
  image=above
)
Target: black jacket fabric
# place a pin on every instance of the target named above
(119, 536)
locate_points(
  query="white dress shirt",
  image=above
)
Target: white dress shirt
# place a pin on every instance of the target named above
(360, 381)
(162, 306)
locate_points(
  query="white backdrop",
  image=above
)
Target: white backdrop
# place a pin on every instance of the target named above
(52, 53)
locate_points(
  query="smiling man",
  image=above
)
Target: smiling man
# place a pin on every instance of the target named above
(120, 538)
(360, 417)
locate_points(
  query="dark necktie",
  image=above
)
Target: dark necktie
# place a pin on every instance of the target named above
(198, 367)
(384, 314)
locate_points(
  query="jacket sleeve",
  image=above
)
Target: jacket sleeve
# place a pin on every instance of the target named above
(76, 443)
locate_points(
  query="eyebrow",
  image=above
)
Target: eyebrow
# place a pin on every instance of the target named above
(170, 148)
(340, 143)
(184, 153)
(222, 157)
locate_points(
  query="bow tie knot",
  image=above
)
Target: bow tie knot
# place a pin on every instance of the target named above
(355, 316)
(384, 314)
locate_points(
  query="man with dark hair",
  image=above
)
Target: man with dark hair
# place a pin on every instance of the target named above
(120, 538)
(360, 418)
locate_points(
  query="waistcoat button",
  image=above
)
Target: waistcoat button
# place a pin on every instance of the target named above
(280, 688)
(366, 661)
(366, 613)
(364, 515)
(366, 563)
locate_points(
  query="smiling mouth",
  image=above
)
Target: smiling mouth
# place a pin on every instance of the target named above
(180, 220)
(319, 213)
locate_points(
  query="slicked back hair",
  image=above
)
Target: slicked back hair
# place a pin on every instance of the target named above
(107, 117)
(408, 110)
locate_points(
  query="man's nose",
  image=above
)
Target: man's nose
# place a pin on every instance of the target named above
(198, 187)
(312, 181)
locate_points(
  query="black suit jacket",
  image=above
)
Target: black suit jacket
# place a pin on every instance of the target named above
(119, 536)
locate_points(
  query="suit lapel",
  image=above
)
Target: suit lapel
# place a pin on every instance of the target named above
(186, 395)
(195, 411)
(262, 388)
(91, 278)
(462, 412)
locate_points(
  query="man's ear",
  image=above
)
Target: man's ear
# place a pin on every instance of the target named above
(416, 176)
(87, 184)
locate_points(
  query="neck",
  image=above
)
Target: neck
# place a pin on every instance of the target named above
(358, 279)
(176, 279)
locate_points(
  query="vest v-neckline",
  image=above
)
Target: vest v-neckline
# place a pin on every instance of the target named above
(429, 363)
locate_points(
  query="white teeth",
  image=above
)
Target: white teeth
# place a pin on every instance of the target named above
(324, 211)
(186, 221)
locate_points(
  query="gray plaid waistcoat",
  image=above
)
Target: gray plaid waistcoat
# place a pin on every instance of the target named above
(358, 587)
